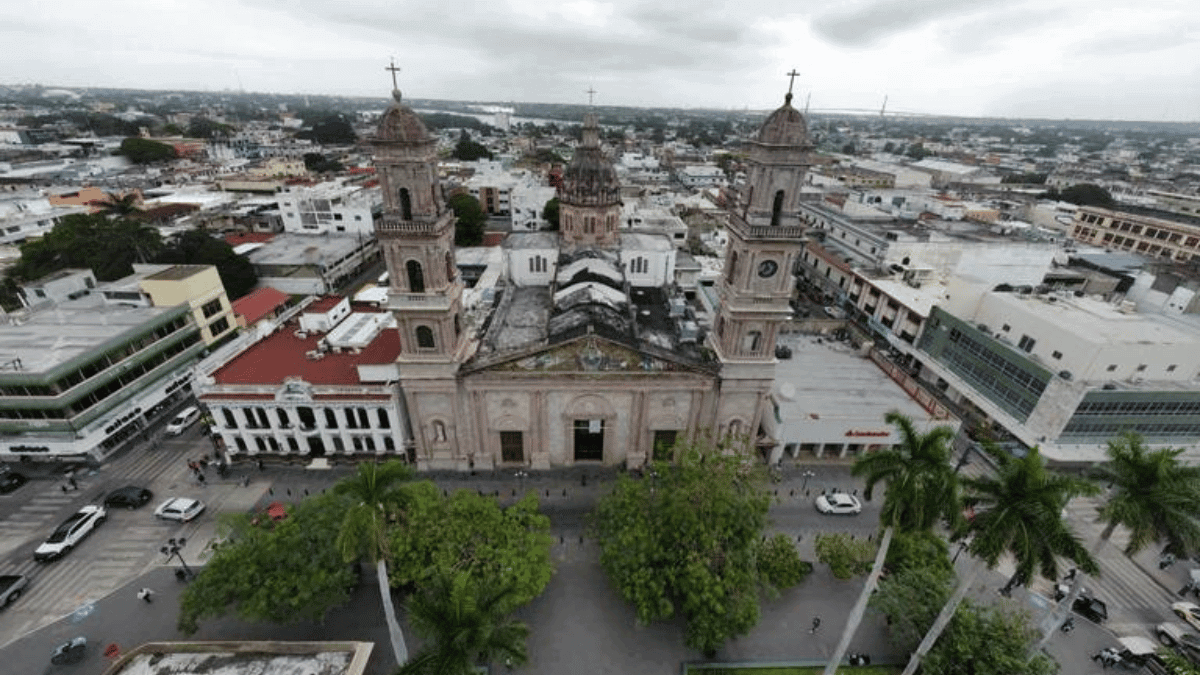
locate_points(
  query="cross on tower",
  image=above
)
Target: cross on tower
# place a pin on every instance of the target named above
(792, 79)
(590, 92)
(395, 69)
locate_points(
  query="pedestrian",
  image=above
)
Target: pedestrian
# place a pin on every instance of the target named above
(144, 595)
(816, 624)
(200, 478)
(260, 463)
(72, 483)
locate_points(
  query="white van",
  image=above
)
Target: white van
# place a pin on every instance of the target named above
(183, 420)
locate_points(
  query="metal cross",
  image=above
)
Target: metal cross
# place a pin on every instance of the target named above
(792, 79)
(590, 92)
(395, 69)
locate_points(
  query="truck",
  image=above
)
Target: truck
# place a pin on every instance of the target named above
(11, 586)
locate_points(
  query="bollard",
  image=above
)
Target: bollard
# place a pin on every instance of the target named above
(547, 492)
(289, 491)
(444, 492)
(583, 480)
(799, 537)
(305, 492)
(777, 493)
(495, 493)
(271, 491)
(564, 492)
(793, 493)
(560, 539)
(581, 538)
(514, 492)
(479, 491)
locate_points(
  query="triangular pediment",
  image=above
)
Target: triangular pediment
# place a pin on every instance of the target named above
(593, 354)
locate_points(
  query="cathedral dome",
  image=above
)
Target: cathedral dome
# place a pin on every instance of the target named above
(590, 178)
(400, 124)
(785, 126)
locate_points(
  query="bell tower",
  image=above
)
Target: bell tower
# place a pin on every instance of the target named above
(416, 233)
(765, 239)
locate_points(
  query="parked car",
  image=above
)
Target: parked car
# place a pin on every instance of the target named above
(11, 480)
(11, 586)
(70, 532)
(1086, 605)
(128, 497)
(181, 509)
(1178, 637)
(186, 418)
(839, 503)
(1189, 612)
(834, 312)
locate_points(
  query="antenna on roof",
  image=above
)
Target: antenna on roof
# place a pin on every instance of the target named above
(807, 100)
(883, 108)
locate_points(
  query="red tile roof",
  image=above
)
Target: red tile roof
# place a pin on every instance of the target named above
(282, 355)
(239, 238)
(322, 305)
(259, 304)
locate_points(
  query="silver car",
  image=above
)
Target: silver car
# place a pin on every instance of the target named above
(181, 509)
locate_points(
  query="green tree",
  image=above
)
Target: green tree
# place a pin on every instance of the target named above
(468, 229)
(146, 151)
(922, 549)
(376, 510)
(498, 547)
(550, 213)
(318, 163)
(92, 241)
(910, 599)
(994, 639)
(466, 625)
(917, 151)
(920, 492)
(1087, 194)
(1019, 511)
(1152, 495)
(197, 247)
(330, 129)
(281, 572)
(682, 540)
(202, 127)
(779, 564)
(116, 205)
(468, 150)
(845, 555)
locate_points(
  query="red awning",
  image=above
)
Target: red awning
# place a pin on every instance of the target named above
(276, 511)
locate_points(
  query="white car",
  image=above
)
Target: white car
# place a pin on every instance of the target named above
(70, 532)
(839, 503)
(186, 418)
(179, 508)
(1189, 612)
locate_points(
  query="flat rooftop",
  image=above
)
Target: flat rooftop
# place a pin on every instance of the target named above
(240, 658)
(303, 249)
(50, 337)
(1095, 321)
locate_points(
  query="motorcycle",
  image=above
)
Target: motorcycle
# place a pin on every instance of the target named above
(1068, 625)
(69, 652)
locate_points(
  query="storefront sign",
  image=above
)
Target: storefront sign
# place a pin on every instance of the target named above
(870, 434)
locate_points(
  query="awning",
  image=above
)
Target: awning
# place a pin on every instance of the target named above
(276, 511)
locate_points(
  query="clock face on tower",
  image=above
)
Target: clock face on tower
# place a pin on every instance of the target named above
(767, 269)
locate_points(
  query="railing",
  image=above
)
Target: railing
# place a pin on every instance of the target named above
(393, 224)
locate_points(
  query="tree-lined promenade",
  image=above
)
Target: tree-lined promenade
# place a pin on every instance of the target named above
(687, 539)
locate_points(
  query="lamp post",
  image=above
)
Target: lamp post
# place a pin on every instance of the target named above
(807, 475)
(522, 475)
(172, 550)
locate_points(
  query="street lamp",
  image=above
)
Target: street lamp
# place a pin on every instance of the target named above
(522, 475)
(171, 550)
(807, 475)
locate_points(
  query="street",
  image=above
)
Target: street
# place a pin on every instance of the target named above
(578, 624)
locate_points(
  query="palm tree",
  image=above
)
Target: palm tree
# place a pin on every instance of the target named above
(115, 205)
(376, 510)
(465, 624)
(921, 491)
(1153, 496)
(1017, 512)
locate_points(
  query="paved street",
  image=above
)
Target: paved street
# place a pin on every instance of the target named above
(578, 625)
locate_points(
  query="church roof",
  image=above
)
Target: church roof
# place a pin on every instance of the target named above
(400, 124)
(785, 126)
(590, 179)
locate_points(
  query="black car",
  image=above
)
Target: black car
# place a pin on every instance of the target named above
(128, 497)
(11, 480)
(1085, 605)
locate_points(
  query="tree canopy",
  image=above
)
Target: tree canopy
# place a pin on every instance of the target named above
(280, 572)
(318, 163)
(550, 213)
(330, 129)
(1085, 194)
(684, 539)
(468, 229)
(468, 150)
(197, 247)
(107, 247)
(994, 639)
(146, 151)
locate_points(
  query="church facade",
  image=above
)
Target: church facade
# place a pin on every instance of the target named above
(590, 355)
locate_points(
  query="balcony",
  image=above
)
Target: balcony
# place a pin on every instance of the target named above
(389, 224)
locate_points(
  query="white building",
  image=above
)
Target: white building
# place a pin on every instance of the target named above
(329, 208)
(704, 175)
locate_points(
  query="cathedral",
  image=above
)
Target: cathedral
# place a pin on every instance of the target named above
(590, 353)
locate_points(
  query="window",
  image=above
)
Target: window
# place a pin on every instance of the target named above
(405, 204)
(384, 421)
(330, 419)
(1026, 343)
(425, 337)
(211, 308)
(416, 279)
(284, 421)
(219, 326)
(1006, 328)
(777, 208)
(230, 421)
(752, 342)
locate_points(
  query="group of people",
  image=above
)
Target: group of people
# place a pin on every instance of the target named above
(1107, 657)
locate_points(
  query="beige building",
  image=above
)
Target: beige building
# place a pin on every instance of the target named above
(1151, 233)
(199, 286)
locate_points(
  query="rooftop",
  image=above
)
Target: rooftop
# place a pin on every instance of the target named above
(240, 658)
(259, 304)
(45, 339)
(284, 354)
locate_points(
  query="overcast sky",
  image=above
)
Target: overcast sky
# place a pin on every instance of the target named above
(1096, 59)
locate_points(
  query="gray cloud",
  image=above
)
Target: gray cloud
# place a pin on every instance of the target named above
(867, 22)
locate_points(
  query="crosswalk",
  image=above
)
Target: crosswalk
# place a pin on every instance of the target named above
(1137, 598)
(122, 547)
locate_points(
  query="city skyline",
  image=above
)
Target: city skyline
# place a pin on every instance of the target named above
(986, 58)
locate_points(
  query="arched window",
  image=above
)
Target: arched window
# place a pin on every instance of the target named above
(425, 337)
(439, 431)
(777, 208)
(457, 324)
(405, 204)
(450, 270)
(732, 266)
(416, 280)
